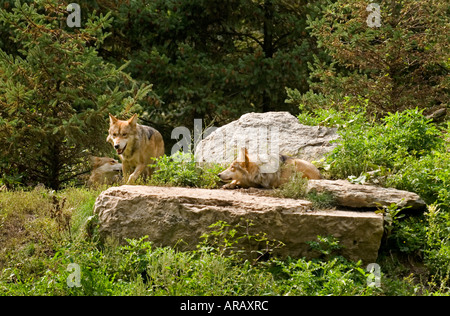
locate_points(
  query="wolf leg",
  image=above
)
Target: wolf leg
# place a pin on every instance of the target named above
(232, 185)
(127, 170)
(137, 172)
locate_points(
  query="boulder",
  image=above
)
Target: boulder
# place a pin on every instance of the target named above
(266, 133)
(365, 196)
(168, 215)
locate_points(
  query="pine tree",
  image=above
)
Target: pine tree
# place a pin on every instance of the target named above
(213, 59)
(398, 64)
(55, 94)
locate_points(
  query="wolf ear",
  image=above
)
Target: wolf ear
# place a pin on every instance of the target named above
(247, 160)
(244, 156)
(112, 119)
(133, 120)
(93, 160)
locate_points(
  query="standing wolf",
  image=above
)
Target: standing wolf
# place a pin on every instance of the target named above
(136, 145)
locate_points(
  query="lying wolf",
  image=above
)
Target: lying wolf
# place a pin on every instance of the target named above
(105, 170)
(136, 145)
(245, 173)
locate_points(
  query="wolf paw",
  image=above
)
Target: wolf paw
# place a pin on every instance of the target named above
(229, 186)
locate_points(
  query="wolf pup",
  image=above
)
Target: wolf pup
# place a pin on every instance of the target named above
(136, 145)
(105, 170)
(245, 173)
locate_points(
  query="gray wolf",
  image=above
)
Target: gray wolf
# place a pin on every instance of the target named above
(136, 146)
(246, 173)
(105, 170)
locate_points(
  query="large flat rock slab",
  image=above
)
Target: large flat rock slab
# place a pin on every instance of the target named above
(170, 214)
(366, 196)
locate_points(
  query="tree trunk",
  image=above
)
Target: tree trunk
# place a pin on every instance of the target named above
(55, 167)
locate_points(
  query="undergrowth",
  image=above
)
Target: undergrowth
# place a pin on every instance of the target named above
(297, 188)
(181, 169)
(37, 254)
(407, 151)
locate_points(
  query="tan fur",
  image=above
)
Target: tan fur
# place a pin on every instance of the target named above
(105, 170)
(136, 145)
(245, 173)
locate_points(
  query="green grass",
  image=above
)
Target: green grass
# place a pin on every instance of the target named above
(296, 188)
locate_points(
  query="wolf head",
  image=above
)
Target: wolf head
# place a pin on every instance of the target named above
(120, 132)
(239, 169)
(104, 170)
(105, 164)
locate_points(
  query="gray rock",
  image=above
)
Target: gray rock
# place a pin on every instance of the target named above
(266, 133)
(170, 214)
(365, 196)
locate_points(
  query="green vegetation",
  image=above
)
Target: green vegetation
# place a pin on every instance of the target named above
(173, 61)
(402, 150)
(38, 250)
(405, 151)
(181, 169)
(296, 188)
(401, 64)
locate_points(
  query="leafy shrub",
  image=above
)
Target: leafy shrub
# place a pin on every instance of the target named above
(181, 169)
(437, 252)
(295, 188)
(405, 151)
(316, 109)
(365, 147)
(330, 274)
(411, 132)
(428, 176)
(327, 246)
